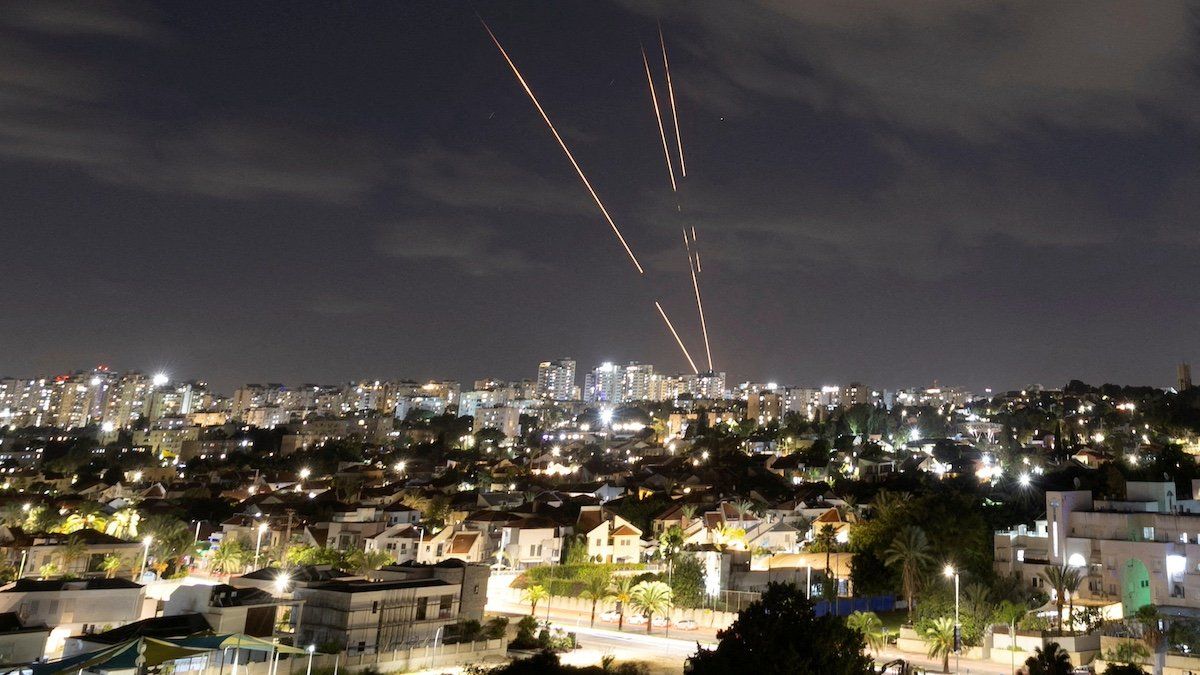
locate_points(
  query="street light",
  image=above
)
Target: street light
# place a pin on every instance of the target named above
(310, 649)
(949, 571)
(145, 554)
(258, 543)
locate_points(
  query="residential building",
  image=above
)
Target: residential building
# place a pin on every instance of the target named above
(556, 380)
(1139, 550)
(610, 538)
(72, 607)
(367, 617)
(505, 419)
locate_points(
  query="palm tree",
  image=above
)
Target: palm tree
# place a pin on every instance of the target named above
(229, 557)
(533, 595)
(72, 549)
(669, 543)
(622, 592)
(871, 627)
(652, 597)
(743, 506)
(825, 540)
(171, 538)
(595, 588)
(686, 513)
(940, 638)
(123, 524)
(1063, 580)
(365, 562)
(111, 564)
(911, 551)
(887, 503)
(1147, 619)
(1049, 661)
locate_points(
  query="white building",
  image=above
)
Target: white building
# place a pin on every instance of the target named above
(556, 380)
(503, 418)
(1132, 552)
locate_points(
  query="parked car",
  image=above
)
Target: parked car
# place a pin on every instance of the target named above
(636, 619)
(611, 616)
(660, 622)
(686, 624)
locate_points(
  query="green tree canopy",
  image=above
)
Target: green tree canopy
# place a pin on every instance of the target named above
(779, 633)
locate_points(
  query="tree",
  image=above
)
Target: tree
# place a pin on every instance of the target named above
(825, 540)
(669, 544)
(687, 583)
(123, 524)
(940, 638)
(112, 564)
(595, 589)
(622, 592)
(171, 538)
(910, 551)
(229, 557)
(365, 562)
(1064, 581)
(533, 595)
(72, 549)
(779, 633)
(1049, 661)
(1128, 653)
(652, 597)
(871, 627)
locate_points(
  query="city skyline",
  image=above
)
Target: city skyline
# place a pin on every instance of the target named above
(182, 196)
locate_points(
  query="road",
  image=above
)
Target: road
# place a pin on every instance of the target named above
(669, 649)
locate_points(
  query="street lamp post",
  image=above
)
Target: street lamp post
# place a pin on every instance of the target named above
(258, 543)
(310, 649)
(951, 572)
(145, 554)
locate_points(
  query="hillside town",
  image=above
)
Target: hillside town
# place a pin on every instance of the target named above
(413, 523)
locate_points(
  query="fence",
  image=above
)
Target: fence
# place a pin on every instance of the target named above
(403, 659)
(847, 606)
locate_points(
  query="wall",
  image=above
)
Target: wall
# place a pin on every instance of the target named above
(399, 660)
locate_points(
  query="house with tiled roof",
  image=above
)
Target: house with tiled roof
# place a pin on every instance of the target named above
(610, 538)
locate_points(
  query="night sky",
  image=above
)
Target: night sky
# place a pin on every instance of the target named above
(985, 194)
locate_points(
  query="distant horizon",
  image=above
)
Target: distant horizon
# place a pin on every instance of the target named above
(730, 383)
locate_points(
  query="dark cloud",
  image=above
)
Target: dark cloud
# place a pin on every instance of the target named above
(988, 193)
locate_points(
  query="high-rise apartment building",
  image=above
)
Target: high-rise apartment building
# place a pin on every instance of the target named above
(556, 379)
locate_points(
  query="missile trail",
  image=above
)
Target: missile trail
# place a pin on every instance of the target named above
(658, 116)
(700, 308)
(563, 145)
(677, 340)
(671, 97)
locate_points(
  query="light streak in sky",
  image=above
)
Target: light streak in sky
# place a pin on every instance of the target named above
(677, 340)
(563, 145)
(658, 116)
(671, 97)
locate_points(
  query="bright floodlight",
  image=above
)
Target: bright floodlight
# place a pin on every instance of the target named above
(282, 581)
(948, 571)
(311, 648)
(147, 540)
(606, 415)
(400, 467)
(305, 473)
(1024, 479)
(160, 379)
